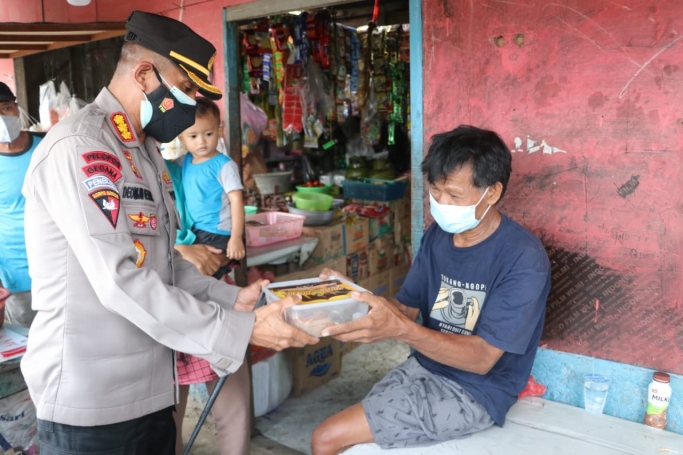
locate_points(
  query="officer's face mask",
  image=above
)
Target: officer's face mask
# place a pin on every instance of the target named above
(456, 219)
(166, 112)
(10, 128)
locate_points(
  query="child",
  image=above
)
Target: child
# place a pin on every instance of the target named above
(212, 186)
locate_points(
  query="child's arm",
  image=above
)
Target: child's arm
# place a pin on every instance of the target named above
(235, 249)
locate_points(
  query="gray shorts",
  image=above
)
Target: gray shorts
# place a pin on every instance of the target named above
(413, 407)
(18, 309)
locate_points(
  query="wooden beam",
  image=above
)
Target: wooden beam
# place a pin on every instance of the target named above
(43, 38)
(24, 47)
(54, 27)
(263, 8)
(59, 45)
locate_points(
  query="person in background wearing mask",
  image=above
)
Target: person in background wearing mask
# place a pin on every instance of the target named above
(480, 282)
(16, 149)
(114, 298)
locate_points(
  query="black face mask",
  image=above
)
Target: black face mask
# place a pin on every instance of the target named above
(169, 115)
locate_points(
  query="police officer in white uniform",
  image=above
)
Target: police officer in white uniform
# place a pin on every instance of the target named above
(113, 299)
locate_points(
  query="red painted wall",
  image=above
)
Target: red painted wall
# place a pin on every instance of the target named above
(205, 17)
(596, 88)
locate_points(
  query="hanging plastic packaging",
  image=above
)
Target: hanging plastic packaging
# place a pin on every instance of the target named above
(48, 96)
(371, 125)
(254, 121)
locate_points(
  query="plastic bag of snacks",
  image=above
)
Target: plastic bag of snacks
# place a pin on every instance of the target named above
(18, 428)
(254, 121)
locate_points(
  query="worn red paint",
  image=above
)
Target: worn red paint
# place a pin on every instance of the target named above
(601, 80)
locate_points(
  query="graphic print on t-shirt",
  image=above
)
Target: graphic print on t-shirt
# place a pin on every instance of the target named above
(458, 305)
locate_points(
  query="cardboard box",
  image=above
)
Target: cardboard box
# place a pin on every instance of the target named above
(348, 347)
(356, 235)
(381, 226)
(330, 242)
(357, 265)
(381, 255)
(315, 365)
(378, 284)
(312, 270)
(397, 276)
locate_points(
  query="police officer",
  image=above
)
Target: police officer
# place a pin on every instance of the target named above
(113, 299)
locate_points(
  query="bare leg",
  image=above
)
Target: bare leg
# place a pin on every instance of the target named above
(232, 413)
(341, 431)
(178, 416)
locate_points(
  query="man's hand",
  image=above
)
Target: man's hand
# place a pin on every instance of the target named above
(206, 258)
(326, 273)
(247, 297)
(235, 249)
(271, 330)
(384, 321)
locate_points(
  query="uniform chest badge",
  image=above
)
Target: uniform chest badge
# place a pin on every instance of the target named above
(122, 127)
(141, 253)
(129, 157)
(167, 178)
(140, 220)
(166, 105)
(153, 221)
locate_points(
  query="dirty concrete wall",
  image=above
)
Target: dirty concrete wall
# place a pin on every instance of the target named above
(588, 95)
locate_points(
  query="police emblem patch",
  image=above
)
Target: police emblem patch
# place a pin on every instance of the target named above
(108, 202)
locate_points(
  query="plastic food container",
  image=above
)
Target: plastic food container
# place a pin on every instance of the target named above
(325, 302)
(314, 189)
(273, 182)
(250, 210)
(374, 189)
(313, 217)
(313, 201)
(272, 227)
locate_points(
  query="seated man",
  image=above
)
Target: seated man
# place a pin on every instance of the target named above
(480, 281)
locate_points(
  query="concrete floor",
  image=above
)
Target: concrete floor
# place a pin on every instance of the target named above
(288, 429)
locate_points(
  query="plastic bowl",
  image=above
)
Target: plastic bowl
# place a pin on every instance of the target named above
(314, 189)
(250, 210)
(313, 218)
(313, 201)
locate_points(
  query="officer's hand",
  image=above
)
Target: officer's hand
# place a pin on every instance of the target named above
(384, 321)
(247, 297)
(326, 273)
(271, 330)
(206, 258)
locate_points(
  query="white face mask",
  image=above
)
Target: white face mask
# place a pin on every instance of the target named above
(456, 219)
(10, 128)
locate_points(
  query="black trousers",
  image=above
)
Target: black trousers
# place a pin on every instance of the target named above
(217, 241)
(153, 434)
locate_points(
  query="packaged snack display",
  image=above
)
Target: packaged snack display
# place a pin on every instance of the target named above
(324, 302)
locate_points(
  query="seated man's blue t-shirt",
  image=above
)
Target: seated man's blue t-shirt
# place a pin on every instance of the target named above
(13, 263)
(497, 290)
(206, 188)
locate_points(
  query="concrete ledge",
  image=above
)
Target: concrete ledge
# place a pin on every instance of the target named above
(538, 426)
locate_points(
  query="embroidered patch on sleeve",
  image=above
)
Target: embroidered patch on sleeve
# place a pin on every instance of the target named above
(122, 127)
(108, 202)
(102, 169)
(141, 251)
(99, 181)
(94, 156)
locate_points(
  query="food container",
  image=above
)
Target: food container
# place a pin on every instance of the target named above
(313, 217)
(313, 201)
(324, 302)
(375, 189)
(272, 227)
(273, 182)
(250, 210)
(325, 189)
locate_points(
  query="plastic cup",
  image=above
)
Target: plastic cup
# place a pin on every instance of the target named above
(595, 389)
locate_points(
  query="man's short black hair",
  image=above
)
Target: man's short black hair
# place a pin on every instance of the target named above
(206, 108)
(484, 150)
